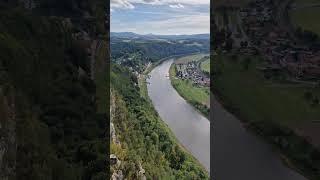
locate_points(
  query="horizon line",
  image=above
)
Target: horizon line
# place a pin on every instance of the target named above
(159, 34)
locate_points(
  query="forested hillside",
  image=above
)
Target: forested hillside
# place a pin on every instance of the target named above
(159, 48)
(49, 118)
(144, 139)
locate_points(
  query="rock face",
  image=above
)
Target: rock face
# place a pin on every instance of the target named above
(141, 173)
(113, 135)
(114, 161)
(116, 165)
(117, 175)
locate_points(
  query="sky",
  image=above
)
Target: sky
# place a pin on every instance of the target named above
(162, 17)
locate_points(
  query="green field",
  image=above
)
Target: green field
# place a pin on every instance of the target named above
(258, 99)
(199, 97)
(190, 58)
(205, 65)
(187, 90)
(307, 18)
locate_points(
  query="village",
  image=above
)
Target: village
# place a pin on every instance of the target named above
(278, 43)
(192, 72)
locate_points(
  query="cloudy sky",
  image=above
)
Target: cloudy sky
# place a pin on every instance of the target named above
(167, 17)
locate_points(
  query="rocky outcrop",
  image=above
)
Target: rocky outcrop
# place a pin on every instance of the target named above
(114, 161)
(116, 165)
(117, 175)
(141, 173)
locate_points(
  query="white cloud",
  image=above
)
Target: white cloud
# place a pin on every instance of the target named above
(121, 4)
(187, 24)
(176, 6)
(162, 2)
(183, 18)
(129, 4)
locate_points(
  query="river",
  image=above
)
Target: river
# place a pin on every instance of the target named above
(189, 126)
(239, 154)
(236, 153)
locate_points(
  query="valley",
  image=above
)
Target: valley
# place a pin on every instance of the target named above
(132, 67)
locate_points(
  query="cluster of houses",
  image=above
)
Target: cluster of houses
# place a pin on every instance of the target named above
(192, 72)
(278, 46)
(136, 62)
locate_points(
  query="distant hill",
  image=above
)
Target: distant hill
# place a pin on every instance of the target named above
(153, 36)
(154, 47)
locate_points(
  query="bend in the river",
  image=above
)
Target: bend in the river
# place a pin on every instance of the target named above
(188, 125)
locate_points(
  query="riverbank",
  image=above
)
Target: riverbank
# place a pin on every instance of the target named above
(146, 137)
(142, 80)
(263, 107)
(189, 127)
(142, 83)
(204, 65)
(198, 97)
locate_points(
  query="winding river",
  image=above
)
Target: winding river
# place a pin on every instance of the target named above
(190, 127)
(237, 153)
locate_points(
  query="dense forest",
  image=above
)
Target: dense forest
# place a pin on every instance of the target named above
(156, 50)
(144, 138)
(49, 118)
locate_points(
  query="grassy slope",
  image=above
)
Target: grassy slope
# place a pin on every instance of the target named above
(205, 66)
(186, 59)
(187, 90)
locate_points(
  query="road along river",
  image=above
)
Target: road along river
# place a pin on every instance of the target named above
(189, 126)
